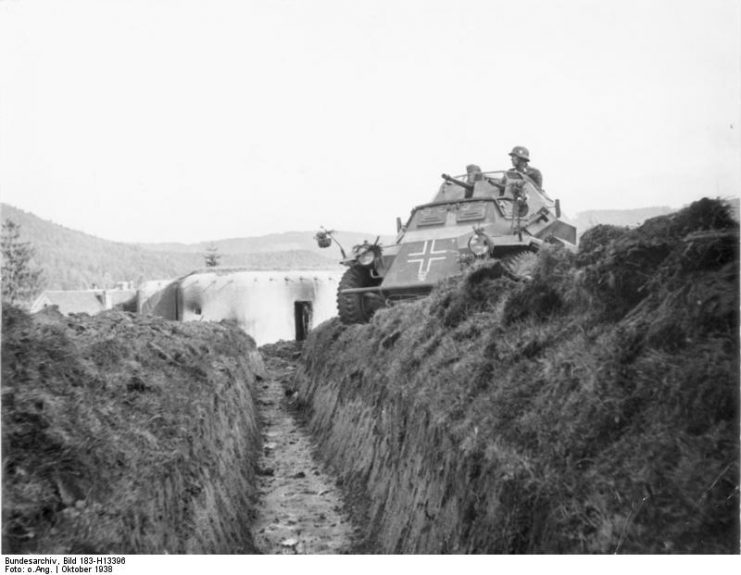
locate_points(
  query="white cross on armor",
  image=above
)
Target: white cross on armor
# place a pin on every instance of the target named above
(426, 259)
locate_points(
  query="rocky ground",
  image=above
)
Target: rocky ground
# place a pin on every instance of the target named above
(300, 509)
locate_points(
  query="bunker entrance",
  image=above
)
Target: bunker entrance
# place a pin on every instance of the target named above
(302, 314)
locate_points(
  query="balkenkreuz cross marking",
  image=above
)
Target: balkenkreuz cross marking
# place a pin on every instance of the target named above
(425, 259)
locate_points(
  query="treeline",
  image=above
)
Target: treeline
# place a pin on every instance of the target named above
(75, 260)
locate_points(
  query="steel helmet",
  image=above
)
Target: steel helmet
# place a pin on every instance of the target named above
(520, 152)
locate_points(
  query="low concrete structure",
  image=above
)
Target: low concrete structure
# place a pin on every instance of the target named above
(268, 305)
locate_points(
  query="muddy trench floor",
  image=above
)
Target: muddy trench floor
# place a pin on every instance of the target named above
(300, 508)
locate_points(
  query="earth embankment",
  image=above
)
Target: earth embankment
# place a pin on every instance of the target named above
(127, 434)
(592, 409)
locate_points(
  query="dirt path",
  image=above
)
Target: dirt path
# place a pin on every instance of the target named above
(300, 509)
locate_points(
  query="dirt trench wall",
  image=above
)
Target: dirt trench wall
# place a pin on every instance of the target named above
(426, 485)
(127, 434)
(593, 409)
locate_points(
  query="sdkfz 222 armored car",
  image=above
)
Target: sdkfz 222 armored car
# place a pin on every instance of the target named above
(502, 214)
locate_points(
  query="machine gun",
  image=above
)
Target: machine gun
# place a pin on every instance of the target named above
(464, 185)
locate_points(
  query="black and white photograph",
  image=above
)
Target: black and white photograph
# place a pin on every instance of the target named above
(391, 284)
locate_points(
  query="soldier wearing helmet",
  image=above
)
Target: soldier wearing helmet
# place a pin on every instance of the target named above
(520, 159)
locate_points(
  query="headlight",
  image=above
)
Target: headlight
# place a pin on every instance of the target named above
(366, 258)
(479, 244)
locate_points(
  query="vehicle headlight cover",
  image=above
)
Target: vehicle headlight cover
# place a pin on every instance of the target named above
(479, 244)
(366, 258)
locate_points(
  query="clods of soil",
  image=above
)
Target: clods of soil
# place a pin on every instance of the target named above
(300, 508)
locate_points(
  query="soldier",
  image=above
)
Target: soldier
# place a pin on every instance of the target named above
(473, 175)
(520, 158)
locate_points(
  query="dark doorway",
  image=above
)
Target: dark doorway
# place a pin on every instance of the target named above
(302, 312)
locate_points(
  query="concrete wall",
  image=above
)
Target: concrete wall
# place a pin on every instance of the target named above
(263, 303)
(158, 297)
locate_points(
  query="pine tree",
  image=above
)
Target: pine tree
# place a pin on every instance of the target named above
(212, 257)
(21, 279)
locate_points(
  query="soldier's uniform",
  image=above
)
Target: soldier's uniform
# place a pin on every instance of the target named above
(534, 174)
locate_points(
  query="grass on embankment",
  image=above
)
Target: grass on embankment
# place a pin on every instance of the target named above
(593, 409)
(126, 434)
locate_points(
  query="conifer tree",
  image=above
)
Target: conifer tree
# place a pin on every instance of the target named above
(212, 256)
(21, 279)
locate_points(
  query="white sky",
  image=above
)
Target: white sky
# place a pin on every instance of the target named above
(189, 121)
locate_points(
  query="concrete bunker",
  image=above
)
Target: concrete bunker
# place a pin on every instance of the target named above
(268, 305)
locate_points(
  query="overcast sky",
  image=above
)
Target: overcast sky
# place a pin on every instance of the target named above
(189, 121)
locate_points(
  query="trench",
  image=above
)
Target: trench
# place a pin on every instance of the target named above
(300, 509)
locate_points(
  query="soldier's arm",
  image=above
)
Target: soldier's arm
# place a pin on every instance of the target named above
(496, 183)
(537, 176)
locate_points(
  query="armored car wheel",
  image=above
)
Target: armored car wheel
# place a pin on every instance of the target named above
(354, 307)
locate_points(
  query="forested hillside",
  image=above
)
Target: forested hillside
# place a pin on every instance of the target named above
(75, 260)
(278, 242)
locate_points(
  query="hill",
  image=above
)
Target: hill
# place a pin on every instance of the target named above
(278, 242)
(631, 218)
(634, 217)
(75, 260)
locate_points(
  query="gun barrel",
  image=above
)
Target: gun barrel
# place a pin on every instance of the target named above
(452, 180)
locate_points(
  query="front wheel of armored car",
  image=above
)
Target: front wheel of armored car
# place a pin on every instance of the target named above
(354, 307)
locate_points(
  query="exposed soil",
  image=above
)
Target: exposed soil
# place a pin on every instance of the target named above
(593, 408)
(127, 434)
(300, 510)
